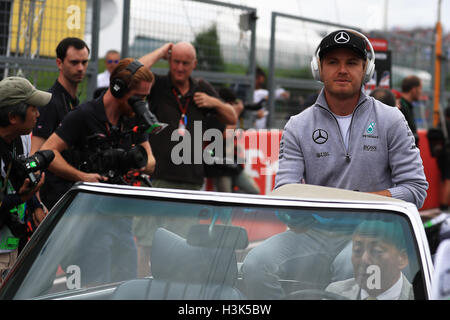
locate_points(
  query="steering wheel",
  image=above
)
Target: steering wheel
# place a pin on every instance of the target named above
(313, 294)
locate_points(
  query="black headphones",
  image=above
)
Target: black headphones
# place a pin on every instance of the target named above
(118, 86)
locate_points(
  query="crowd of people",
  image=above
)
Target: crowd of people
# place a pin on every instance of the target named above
(189, 107)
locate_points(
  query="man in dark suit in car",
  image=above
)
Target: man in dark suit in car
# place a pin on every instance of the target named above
(378, 258)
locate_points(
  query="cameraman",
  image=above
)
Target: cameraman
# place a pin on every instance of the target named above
(19, 101)
(108, 116)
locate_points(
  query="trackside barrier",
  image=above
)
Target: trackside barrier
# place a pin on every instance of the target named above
(432, 172)
(261, 151)
(261, 157)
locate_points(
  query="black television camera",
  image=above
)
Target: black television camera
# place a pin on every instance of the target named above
(103, 155)
(23, 167)
(111, 162)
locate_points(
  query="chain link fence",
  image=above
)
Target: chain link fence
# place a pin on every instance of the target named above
(294, 40)
(223, 35)
(415, 55)
(30, 30)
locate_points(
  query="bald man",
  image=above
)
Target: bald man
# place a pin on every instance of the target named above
(181, 100)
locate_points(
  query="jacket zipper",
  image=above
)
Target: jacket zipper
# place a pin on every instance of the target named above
(347, 155)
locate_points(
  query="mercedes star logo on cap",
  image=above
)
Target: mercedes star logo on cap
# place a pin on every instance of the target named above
(320, 136)
(342, 37)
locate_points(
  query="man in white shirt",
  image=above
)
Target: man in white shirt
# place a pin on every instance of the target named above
(261, 94)
(111, 60)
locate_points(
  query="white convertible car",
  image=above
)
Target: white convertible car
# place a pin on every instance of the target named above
(300, 242)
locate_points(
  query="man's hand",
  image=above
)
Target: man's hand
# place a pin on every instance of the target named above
(202, 100)
(385, 193)
(225, 112)
(152, 57)
(92, 177)
(26, 192)
(166, 50)
(238, 106)
(39, 215)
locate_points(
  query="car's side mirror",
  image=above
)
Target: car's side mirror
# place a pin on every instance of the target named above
(441, 278)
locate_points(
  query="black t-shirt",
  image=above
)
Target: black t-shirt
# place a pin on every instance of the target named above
(86, 120)
(51, 115)
(164, 104)
(89, 120)
(408, 112)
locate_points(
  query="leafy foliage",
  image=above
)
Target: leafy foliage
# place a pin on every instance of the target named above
(209, 54)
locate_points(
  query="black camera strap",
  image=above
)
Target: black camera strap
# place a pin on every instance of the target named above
(8, 156)
(5, 182)
(7, 160)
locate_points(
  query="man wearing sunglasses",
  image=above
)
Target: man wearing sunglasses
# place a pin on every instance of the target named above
(112, 58)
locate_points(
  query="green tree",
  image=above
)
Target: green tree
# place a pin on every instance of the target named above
(209, 54)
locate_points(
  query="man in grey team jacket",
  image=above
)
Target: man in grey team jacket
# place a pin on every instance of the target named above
(347, 139)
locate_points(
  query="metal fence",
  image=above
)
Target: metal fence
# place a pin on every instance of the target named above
(289, 64)
(416, 55)
(293, 41)
(222, 33)
(30, 30)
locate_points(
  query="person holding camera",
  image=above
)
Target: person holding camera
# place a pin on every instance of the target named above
(104, 118)
(108, 131)
(19, 101)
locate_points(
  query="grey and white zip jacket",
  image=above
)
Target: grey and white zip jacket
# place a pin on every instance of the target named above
(381, 151)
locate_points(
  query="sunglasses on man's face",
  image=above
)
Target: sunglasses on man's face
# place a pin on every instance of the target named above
(112, 61)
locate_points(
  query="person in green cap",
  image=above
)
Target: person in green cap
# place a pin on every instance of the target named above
(19, 102)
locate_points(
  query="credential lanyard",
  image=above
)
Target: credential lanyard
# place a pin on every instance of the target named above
(183, 109)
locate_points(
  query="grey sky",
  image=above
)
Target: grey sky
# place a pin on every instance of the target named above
(364, 14)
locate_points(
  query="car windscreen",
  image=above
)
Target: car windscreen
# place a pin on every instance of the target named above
(151, 248)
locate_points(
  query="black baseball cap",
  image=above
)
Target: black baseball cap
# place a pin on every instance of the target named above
(343, 39)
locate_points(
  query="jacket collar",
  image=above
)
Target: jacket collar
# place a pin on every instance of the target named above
(322, 101)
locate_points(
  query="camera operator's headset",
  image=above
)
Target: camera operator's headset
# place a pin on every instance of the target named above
(119, 87)
(370, 63)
